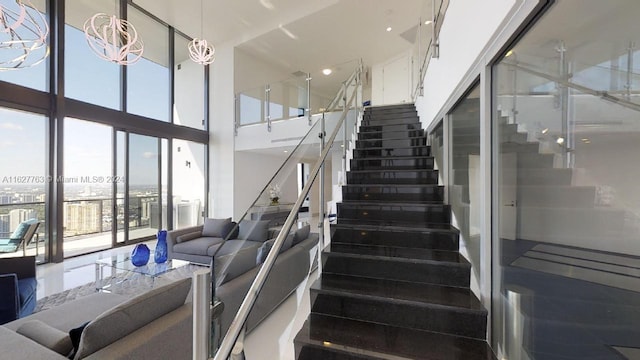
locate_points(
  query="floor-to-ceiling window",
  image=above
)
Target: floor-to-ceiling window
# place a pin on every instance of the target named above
(188, 183)
(23, 179)
(566, 246)
(103, 145)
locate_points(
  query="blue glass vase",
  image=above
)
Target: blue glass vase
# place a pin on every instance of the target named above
(140, 255)
(160, 254)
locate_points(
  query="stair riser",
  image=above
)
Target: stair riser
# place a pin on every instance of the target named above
(390, 134)
(390, 177)
(363, 144)
(391, 164)
(308, 352)
(390, 152)
(412, 194)
(389, 120)
(423, 240)
(378, 128)
(430, 273)
(427, 215)
(440, 319)
(390, 109)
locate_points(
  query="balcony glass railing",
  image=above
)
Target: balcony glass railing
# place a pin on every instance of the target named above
(293, 221)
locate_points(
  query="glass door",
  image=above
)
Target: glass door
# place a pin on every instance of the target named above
(143, 191)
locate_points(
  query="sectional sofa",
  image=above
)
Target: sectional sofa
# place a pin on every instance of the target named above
(154, 325)
(239, 250)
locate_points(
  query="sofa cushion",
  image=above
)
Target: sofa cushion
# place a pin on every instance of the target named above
(214, 227)
(301, 234)
(261, 256)
(254, 230)
(21, 230)
(198, 246)
(27, 288)
(231, 231)
(131, 315)
(47, 336)
(188, 236)
(234, 259)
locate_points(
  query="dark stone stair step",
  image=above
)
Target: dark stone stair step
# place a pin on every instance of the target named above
(384, 177)
(408, 193)
(396, 127)
(391, 143)
(391, 223)
(390, 120)
(389, 108)
(390, 134)
(336, 338)
(427, 238)
(397, 252)
(414, 270)
(374, 306)
(388, 211)
(391, 152)
(395, 163)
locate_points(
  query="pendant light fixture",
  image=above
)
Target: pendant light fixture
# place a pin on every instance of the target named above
(200, 51)
(113, 39)
(23, 36)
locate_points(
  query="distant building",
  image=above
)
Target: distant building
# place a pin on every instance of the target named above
(5, 222)
(16, 216)
(6, 199)
(81, 218)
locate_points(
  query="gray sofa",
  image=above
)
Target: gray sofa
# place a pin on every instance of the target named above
(116, 327)
(238, 260)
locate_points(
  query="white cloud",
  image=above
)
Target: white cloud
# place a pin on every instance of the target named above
(149, 155)
(11, 126)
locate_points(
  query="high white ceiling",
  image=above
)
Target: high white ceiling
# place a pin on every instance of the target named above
(299, 35)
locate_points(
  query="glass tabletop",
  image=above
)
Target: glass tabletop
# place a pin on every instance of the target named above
(123, 262)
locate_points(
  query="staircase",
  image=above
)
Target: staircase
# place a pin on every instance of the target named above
(393, 285)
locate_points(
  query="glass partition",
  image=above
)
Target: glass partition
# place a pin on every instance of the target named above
(567, 209)
(250, 108)
(188, 109)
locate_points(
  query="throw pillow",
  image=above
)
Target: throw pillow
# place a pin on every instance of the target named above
(301, 234)
(131, 315)
(263, 251)
(188, 236)
(74, 335)
(214, 227)
(47, 336)
(254, 230)
(21, 230)
(230, 231)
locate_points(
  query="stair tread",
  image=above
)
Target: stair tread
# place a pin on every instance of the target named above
(389, 342)
(395, 203)
(393, 148)
(460, 261)
(398, 252)
(417, 293)
(390, 170)
(394, 224)
(399, 157)
(394, 185)
(373, 227)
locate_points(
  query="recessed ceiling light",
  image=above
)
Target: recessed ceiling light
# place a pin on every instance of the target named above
(560, 141)
(428, 22)
(509, 53)
(327, 71)
(389, 29)
(545, 131)
(286, 151)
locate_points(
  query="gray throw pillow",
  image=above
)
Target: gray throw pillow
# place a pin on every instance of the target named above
(188, 236)
(131, 315)
(301, 234)
(47, 336)
(263, 251)
(254, 230)
(214, 227)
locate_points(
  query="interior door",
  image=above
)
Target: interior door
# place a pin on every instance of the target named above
(395, 81)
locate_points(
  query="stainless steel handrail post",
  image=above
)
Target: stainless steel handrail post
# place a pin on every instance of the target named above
(201, 314)
(321, 213)
(309, 97)
(267, 104)
(344, 135)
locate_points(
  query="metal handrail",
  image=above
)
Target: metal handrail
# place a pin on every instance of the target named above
(435, 25)
(247, 304)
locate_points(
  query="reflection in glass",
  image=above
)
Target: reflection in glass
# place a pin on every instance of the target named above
(464, 179)
(87, 77)
(188, 183)
(23, 175)
(87, 215)
(566, 253)
(148, 90)
(188, 109)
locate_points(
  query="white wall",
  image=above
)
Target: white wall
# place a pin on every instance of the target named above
(221, 140)
(468, 27)
(253, 171)
(189, 101)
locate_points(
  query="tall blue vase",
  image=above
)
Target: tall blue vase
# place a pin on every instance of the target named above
(140, 255)
(160, 254)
